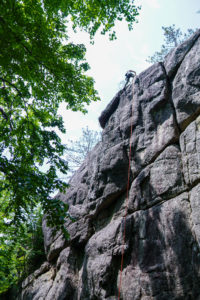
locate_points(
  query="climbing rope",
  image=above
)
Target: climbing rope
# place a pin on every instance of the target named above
(126, 205)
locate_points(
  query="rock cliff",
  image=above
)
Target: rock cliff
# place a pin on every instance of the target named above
(162, 240)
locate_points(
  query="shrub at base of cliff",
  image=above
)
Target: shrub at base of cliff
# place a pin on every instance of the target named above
(23, 255)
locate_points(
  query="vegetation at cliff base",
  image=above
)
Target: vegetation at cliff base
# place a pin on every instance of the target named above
(21, 249)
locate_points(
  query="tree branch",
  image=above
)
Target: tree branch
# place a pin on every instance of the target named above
(4, 114)
(11, 84)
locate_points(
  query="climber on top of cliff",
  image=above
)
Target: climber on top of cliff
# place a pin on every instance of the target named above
(129, 74)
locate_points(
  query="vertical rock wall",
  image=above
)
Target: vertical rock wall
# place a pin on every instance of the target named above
(162, 242)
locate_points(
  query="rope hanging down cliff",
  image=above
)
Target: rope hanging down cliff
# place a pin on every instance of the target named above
(128, 75)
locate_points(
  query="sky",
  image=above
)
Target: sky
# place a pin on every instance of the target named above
(109, 60)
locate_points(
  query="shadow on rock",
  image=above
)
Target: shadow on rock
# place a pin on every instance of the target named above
(164, 261)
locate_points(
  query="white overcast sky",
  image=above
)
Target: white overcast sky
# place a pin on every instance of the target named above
(109, 60)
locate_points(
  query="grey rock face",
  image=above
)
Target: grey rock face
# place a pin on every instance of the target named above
(176, 56)
(186, 87)
(190, 148)
(162, 226)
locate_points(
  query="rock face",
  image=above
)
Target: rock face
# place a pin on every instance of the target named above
(162, 239)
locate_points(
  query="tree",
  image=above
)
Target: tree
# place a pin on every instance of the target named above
(77, 150)
(172, 38)
(21, 249)
(39, 69)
